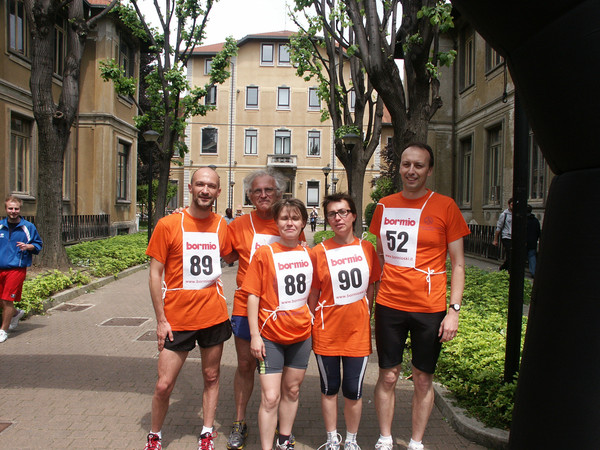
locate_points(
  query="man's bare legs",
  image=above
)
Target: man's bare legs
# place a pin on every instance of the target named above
(211, 369)
(385, 398)
(422, 404)
(243, 382)
(169, 365)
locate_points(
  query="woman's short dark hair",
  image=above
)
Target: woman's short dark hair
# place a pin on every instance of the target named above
(339, 197)
(291, 203)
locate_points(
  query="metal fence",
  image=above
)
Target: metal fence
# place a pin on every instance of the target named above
(82, 227)
(479, 243)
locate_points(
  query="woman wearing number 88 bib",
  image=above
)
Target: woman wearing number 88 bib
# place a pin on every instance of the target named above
(346, 269)
(278, 283)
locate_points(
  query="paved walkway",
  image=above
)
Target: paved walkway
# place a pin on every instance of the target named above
(71, 379)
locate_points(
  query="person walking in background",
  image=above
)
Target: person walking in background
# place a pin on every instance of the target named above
(416, 229)
(346, 269)
(504, 232)
(186, 248)
(278, 284)
(534, 231)
(228, 216)
(19, 240)
(314, 215)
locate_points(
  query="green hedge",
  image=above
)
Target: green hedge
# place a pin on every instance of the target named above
(323, 235)
(93, 259)
(471, 366)
(109, 256)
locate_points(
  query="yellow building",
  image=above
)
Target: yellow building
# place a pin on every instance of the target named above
(483, 134)
(100, 163)
(265, 117)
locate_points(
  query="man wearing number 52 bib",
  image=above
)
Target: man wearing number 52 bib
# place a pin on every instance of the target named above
(415, 230)
(189, 304)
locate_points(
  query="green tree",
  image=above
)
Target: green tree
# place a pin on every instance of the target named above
(386, 29)
(172, 100)
(142, 195)
(54, 120)
(325, 51)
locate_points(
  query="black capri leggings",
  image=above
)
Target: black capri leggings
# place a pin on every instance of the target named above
(354, 375)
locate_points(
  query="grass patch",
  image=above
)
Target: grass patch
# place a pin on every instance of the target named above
(90, 259)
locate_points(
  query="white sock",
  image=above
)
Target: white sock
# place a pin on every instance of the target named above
(383, 438)
(158, 433)
(206, 430)
(350, 437)
(332, 436)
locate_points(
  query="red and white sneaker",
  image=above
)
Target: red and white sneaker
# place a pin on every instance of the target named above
(206, 441)
(153, 442)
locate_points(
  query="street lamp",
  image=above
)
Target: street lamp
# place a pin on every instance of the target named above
(326, 171)
(350, 140)
(231, 184)
(334, 182)
(150, 136)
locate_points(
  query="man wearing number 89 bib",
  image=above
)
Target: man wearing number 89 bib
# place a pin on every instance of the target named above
(189, 305)
(415, 230)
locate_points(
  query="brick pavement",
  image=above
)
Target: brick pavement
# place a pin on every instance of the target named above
(67, 381)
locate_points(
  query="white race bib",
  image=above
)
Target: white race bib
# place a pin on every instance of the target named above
(349, 272)
(293, 270)
(262, 239)
(399, 235)
(201, 259)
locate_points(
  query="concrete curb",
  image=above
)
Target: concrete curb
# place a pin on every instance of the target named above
(70, 294)
(468, 427)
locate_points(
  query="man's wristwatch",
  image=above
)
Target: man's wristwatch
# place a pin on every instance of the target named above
(455, 307)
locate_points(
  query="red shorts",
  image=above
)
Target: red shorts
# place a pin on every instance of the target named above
(11, 284)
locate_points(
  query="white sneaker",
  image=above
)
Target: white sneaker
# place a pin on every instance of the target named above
(14, 322)
(3, 335)
(384, 445)
(332, 445)
(351, 446)
(415, 446)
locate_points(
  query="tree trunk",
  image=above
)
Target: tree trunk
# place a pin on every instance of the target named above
(53, 135)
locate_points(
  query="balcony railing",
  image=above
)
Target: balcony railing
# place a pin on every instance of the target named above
(280, 160)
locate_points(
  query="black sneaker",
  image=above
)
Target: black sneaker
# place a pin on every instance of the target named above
(238, 435)
(287, 445)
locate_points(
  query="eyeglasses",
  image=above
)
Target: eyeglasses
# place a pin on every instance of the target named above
(342, 213)
(266, 191)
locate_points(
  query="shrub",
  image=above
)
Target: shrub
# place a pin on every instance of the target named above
(471, 366)
(369, 211)
(109, 256)
(323, 235)
(95, 258)
(38, 289)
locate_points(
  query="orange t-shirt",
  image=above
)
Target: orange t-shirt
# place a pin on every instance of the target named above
(440, 223)
(282, 327)
(189, 309)
(242, 231)
(343, 329)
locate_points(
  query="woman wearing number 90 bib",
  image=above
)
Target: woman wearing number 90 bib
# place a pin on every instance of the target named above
(278, 283)
(346, 269)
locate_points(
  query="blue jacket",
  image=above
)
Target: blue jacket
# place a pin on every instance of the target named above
(10, 255)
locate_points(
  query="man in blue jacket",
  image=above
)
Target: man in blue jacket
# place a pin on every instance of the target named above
(19, 240)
